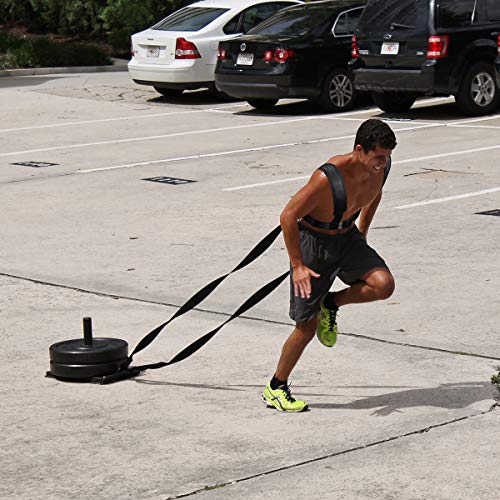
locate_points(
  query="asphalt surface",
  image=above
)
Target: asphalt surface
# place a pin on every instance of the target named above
(401, 408)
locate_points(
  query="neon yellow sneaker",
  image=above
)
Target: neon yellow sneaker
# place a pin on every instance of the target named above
(327, 326)
(282, 399)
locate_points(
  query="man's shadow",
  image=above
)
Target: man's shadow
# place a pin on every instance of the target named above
(453, 396)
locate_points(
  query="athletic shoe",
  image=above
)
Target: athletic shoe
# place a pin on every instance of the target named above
(282, 399)
(327, 326)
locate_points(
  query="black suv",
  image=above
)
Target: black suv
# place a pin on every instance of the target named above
(406, 48)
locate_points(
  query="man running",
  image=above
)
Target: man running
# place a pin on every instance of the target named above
(323, 241)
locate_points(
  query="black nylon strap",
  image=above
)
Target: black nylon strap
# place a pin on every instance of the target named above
(337, 186)
(202, 294)
(338, 192)
(259, 295)
(387, 169)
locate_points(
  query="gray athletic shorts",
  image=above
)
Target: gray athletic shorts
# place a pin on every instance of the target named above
(346, 255)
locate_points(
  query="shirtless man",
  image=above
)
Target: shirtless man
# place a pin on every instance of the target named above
(323, 242)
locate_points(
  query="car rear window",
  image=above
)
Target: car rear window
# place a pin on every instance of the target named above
(381, 15)
(455, 13)
(189, 19)
(300, 22)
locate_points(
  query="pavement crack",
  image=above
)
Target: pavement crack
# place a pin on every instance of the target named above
(250, 318)
(335, 454)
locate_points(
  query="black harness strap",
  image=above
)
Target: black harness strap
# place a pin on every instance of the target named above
(338, 192)
(126, 371)
(337, 187)
(259, 295)
(339, 195)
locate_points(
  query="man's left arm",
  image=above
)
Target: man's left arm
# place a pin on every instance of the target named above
(366, 216)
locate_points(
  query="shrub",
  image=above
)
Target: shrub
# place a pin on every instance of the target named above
(8, 41)
(116, 19)
(43, 52)
(124, 17)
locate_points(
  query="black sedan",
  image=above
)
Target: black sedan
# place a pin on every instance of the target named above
(302, 51)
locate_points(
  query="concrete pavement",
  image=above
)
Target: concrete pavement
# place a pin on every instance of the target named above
(402, 407)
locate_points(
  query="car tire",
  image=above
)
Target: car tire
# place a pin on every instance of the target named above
(262, 104)
(169, 92)
(337, 92)
(478, 94)
(393, 102)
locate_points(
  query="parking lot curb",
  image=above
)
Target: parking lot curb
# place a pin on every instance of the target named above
(118, 65)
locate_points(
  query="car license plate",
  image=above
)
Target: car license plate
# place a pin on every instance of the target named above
(390, 48)
(244, 59)
(153, 52)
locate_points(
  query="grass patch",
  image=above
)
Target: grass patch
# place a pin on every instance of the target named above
(43, 52)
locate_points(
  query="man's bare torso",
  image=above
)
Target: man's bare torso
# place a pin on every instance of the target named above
(361, 190)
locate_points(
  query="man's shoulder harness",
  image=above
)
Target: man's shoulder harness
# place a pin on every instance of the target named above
(339, 195)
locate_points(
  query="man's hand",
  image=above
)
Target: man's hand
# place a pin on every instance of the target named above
(302, 281)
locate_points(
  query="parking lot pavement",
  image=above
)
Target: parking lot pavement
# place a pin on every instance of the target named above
(91, 231)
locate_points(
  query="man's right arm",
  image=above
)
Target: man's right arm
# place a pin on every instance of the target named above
(299, 206)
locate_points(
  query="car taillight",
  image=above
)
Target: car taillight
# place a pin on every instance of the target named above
(498, 44)
(186, 50)
(221, 54)
(268, 55)
(354, 47)
(279, 55)
(437, 47)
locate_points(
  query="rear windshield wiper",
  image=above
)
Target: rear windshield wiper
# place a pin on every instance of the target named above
(401, 26)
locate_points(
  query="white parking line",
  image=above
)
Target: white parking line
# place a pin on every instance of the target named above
(248, 186)
(134, 117)
(154, 137)
(475, 126)
(452, 153)
(398, 162)
(180, 158)
(237, 151)
(448, 198)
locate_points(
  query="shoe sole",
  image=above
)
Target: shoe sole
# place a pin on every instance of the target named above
(271, 405)
(322, 343)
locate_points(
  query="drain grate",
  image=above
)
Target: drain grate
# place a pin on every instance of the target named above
(35, 164)
(168, 180)
(495, 212)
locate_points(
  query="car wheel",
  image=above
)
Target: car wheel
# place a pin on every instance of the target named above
(393, 102)
(262, 103)
(169, 92)
(478, 94)
(337, 93)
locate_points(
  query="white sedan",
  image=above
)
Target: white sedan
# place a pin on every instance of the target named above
(180, 52)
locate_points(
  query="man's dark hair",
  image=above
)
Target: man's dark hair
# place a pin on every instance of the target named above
(372, 133)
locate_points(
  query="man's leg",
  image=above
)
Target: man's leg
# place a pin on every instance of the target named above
(376, 284)
(294, 346)
(277, 393)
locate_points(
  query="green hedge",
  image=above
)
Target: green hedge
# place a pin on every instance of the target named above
(110, 20)
(42, 52)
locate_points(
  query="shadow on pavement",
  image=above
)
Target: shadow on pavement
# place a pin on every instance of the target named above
(26, 81)
(194, 386)
(453, 396)
(447, 111)
(193, 98)
(305, 107)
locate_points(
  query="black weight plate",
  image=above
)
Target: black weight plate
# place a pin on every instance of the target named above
(102, 350)
(78, 372)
